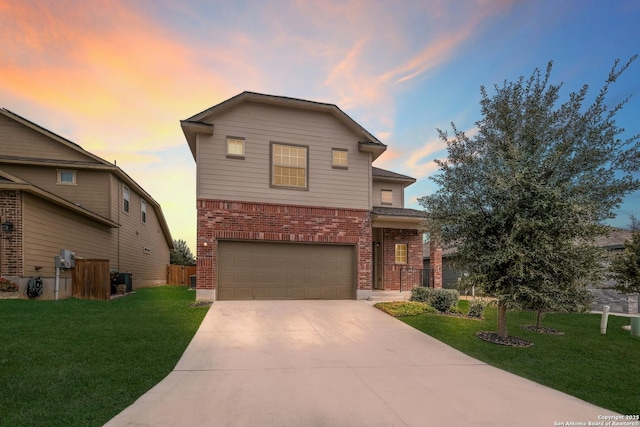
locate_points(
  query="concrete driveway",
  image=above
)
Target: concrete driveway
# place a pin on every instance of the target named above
(337, 363)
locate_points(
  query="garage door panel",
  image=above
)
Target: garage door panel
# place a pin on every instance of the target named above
(257, 270)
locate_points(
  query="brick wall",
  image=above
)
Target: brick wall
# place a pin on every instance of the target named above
(229, 220)
(11, 242)
(409, 274)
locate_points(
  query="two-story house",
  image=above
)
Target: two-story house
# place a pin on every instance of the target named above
(290, 207)
(55, 195)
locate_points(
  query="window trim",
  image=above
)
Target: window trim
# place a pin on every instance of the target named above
(126, 199)
(74, 177)
(339, 166)
(272, 167)
(385, 191)
(399, 249)
(143, 211)
(233, 155)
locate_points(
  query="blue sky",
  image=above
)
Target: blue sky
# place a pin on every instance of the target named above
(116, 77)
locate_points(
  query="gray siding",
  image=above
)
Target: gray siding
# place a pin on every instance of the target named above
(248, 179)
(21, 141)
(398, 193)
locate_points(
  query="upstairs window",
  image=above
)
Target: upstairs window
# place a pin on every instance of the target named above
(143, 211)
(339, 158)
(401, 253)
(289, 166)
(235, 147)
(66, 177)
(126, 198)
(386, 197)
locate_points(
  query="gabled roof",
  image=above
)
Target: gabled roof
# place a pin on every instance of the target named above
(93, 162)
(199, 123)
(385, 175)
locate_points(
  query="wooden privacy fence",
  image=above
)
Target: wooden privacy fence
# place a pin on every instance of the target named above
(180, 274)
(90, 279)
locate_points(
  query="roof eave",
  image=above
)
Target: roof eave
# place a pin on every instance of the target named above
(191, 129)
(393, 221)
(376, 149)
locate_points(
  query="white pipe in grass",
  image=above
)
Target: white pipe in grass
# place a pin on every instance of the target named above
(604, 320)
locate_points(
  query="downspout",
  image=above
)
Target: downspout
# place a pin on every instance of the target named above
(56, 289)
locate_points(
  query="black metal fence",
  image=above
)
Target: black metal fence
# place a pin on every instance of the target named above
(411, 277)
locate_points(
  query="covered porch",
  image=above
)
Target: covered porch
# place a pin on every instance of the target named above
(397, 249)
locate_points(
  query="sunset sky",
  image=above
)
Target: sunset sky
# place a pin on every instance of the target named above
(116, 77)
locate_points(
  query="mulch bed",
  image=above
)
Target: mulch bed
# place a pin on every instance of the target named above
(509, 341)
(542, 330)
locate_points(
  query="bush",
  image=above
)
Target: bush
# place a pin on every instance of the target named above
(440, 299)
(444, 299)
(421, 294)
(8, 286)
(476, 309)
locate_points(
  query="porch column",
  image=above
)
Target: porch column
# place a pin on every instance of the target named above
(435, 263)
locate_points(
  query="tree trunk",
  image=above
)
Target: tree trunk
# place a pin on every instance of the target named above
(539, 319)
(502, 319)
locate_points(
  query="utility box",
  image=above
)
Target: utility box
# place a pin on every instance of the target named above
(65, 260)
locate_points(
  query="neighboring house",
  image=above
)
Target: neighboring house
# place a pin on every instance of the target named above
(54, 195)
(452, 272)
(290, 207)
(618, 302)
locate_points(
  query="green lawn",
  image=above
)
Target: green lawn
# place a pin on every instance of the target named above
(79, 363)
(601, 369)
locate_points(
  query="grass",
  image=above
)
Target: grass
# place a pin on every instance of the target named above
(80, 362)
(600, 369)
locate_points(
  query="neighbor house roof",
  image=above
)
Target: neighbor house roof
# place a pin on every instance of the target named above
(198, 124)
(385, 175)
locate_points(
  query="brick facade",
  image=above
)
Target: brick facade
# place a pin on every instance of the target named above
(402, 275)
(11, 241)
(232, 220)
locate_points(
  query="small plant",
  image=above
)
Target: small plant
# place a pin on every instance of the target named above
(8, 286)
(476, 309)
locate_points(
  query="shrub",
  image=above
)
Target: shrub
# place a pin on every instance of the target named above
(476, 309)
(444, 299)
(8, 285)
(421, 294)
(440, 299)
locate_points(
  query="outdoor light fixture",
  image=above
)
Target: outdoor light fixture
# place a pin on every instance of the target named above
(7, 227)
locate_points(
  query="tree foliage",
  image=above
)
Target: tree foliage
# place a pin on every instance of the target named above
(524, 198)
(181, 254)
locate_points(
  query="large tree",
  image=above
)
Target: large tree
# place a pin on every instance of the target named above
(524, 197)
(181, 254)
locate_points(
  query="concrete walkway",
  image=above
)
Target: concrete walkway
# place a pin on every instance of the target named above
(337, 363)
